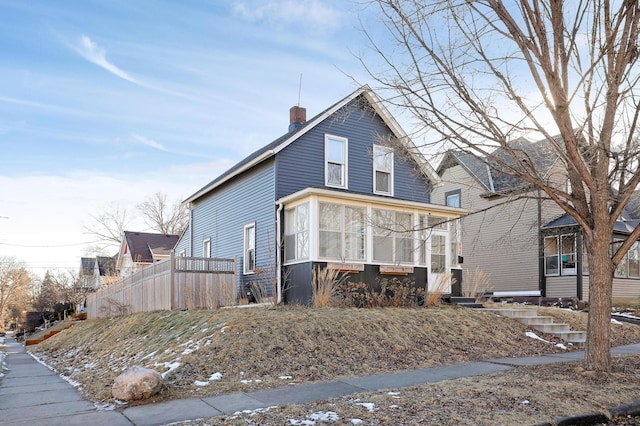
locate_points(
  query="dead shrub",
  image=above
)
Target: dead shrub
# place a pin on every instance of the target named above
(258, 291)
(435, 292)
(389, 293)
(475, 283)
(325, 284)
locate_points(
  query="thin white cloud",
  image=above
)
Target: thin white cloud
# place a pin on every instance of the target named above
(312, 13)
(148, 142)
(93, 53)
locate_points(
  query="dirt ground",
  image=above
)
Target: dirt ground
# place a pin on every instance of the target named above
(205, 353)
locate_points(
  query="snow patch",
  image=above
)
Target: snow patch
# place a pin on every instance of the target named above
(286, 377)
(370, 406)
(320, 416)
(199, 383)
(215, 376)
(356, 421)
(170, 366)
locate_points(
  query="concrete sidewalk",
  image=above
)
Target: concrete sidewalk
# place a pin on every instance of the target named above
(32, 394)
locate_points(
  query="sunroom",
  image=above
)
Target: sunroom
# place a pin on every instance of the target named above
(368, 237)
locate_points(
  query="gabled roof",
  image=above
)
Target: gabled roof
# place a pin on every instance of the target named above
(566, 220)
(87, 265)
(285, 140)
(141, 243)
(491, 178)
(106, 265)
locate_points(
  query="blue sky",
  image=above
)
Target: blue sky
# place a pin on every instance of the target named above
(108, 102)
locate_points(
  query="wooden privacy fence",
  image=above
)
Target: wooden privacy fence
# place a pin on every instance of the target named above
(174, 283)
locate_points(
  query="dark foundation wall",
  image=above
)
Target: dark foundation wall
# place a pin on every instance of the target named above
(299, 277)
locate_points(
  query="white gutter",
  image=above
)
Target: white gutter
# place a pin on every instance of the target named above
(278, 255)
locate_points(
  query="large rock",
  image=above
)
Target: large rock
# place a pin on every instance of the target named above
(136, 383)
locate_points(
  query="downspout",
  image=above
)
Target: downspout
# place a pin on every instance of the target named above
(190, 206)
(542, 279)
(278, 255)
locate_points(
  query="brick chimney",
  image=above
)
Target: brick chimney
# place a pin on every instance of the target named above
(297, 117)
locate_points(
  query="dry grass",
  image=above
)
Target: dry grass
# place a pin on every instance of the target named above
(325, 283)
(440, 286)
(475, 283)
(267, 347)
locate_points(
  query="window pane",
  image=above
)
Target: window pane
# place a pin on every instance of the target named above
(438, 253)
(355, 233)
(551, 256)
(383, 182)
(335, 151)
(383, 248)
(453, 200)
(334, 174)
(330, 217)
(437, 222)
(569, 254)
(330, 244)
(383, 158)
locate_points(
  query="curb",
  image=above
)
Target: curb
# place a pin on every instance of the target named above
(621, 411)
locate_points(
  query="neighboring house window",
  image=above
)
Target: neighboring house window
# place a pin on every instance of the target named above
(342, 233)
(452, 198)
(621, 270)
(250, 248)
(392, 236)
(296, 230)
(551, 264)
(585, 259)
(634, 260)
(382, 170)
(335, 155)
(182, 253)
(568, 254)
(206, 247)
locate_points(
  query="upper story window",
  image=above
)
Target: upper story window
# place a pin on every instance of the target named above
(335, 155)
(250, 248)
(382, 170)
(206, 247)
(452, 198)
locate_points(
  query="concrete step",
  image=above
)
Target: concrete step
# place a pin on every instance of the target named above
(514, 312)
(552, 328)
(572, 336)
(536, 320)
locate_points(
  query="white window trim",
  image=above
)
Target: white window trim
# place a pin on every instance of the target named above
(391, 172)
(345, 170)
(205, 242)
(245, 266)
(557, 256)
(568, 271)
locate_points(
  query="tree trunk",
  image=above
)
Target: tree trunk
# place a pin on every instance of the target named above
(598, 346)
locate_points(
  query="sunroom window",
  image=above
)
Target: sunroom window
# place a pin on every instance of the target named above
(296, 238)
(392, 236)
(342, 232)
(634, 260)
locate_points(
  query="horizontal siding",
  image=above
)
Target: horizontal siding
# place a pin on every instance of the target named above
(562, 286)
(626, 288)
(221, 216)
(301, 164)
(499, 239)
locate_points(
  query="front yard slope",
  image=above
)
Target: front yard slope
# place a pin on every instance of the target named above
(203, 353)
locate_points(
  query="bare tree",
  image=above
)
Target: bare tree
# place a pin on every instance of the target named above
(15, 284)
(108, 228)
(480, 74)
(164, 216)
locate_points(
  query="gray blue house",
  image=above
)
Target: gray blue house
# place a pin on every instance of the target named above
(345, 190)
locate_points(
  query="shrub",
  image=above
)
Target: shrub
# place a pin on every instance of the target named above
(325, 285)
(390, 292)
(475, 283)
(435, 292)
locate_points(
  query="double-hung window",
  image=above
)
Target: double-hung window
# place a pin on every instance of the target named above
(382, 170)
(296, 230)
(392, 236)
(569, 254)
(250, 248)
(335, 155)
(342, 233)
(551, 264)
